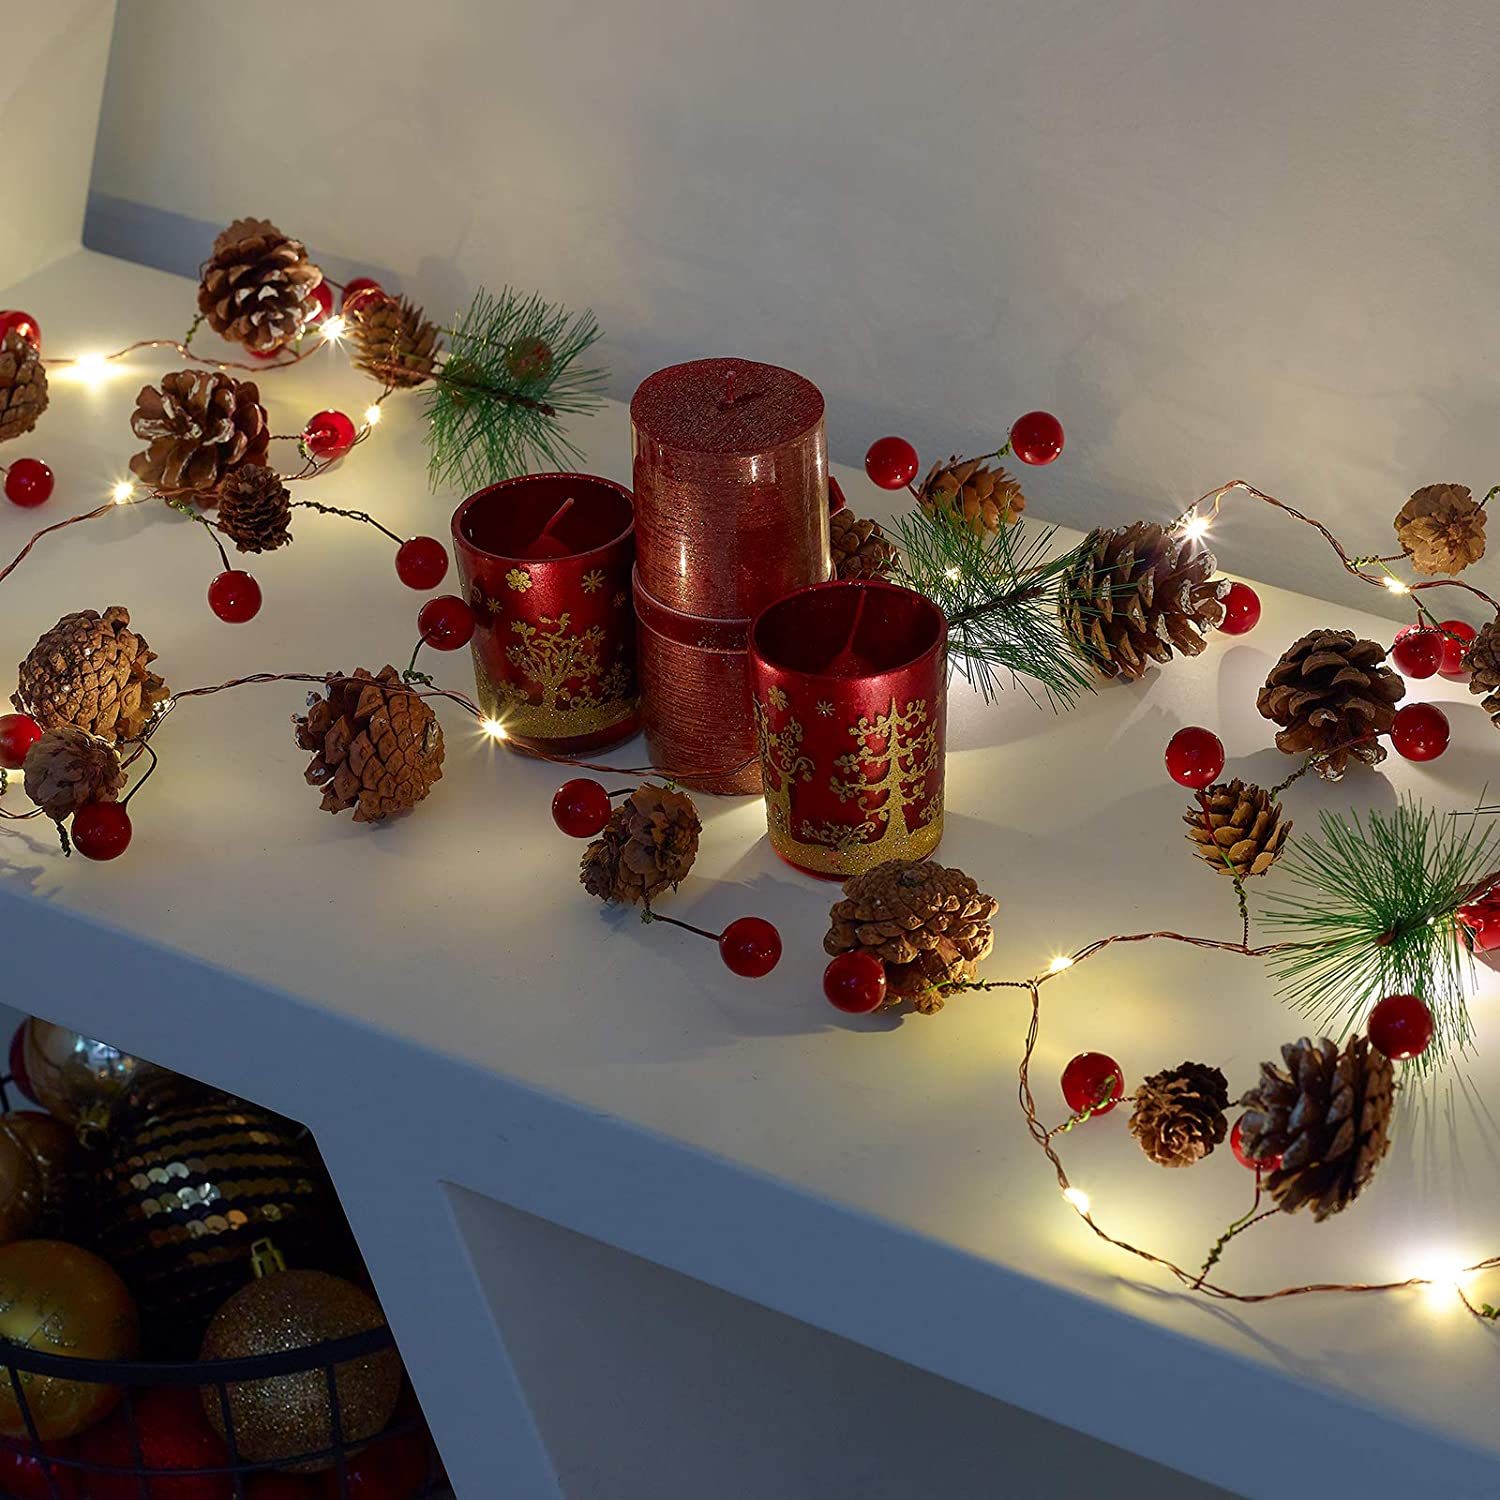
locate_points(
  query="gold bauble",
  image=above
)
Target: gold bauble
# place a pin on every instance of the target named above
(20, 1190)
(53, 1150)
(83, 1081)
(59, 1298)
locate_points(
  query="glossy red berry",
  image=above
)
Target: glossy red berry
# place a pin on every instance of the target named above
(1420, 731)
(891, 462)
(1456, 638)
(322, 297)
(1482, 917)
(750, 947)
(446, 623)
(421, 562)
(18, 733)
(328, 434)
(101, 830)
(1036, 438)
(361, 289)
(855, 982)
(528, 359)
(234, 596)
(1401, 1027)
(1089, 1078)
(28, 483)
(1237, 1145)
(1241, 610)
(13, 320)
(1417, 651)
(580, 807)
(1194, 757)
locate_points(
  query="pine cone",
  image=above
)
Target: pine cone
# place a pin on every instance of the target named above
(1441, 528)
(860, 548)
(378, 748)
(1179, 1114)
(67, 767)
(985, 499)
(91, 671)
(1328, 690)
(1326, 1114)
(1135, 593)
(393, 341)
(1482, 662)
(201, 425)
(23, 386)
(255, 509)
(927, 924)
(257, 286)
(649, 844)
(1243, 833)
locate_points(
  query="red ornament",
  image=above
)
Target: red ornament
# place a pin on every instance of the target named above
(101, 830)
(1090, 1077)
(328, 434)
(234, 596)
(421, 562)
(28, 483)
(1420, 731)
(528, 359)
(580, 807)
(1237, 1145)
(1036, 438)
(855, 982)
(23, 1477)
(1401, 1027)
(13, 320)
(322, 294)
(1241, 610)
(1195, 757)
(446, 623)
(1417, 651)
(273, 1486)
(750, 947)
(17, 1064)
(391, 1468)
(361, 289)
(173, 1435)
(18, 733)
(892, 463)
(1453, 650)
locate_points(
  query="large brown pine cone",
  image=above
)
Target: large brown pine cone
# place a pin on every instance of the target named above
(23, 386)
(200, 425)
(92, 671)
(1179, 1114)
(983, 498)
(378, 748)
(1327, 1115)
(1332, 693)
(860, 548)
(648, 845)
(1482, 662)
(255, 509)
(1441, 528)
(1135, 593)
(927, 924)
(257, 286)
(1243, 832)
(67, 767)
(393, 341)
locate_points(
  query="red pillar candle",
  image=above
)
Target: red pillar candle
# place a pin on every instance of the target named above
(545, 562)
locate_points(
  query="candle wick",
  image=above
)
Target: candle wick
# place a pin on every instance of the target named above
(556, 516)
(843, 659)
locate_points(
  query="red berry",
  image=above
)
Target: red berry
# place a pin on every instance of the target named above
(446, 623)
(750, 947)
(1090, 1077)
(528, 359)
(322, 294)
(1036, 438)
(1241, 610)
(1453, 650)
(361, 289)
(580, 807)
(421, 562)
(1420, 731)
(855, 982)
(1194, 757)
(270, 353)
(28, 483)
(22, 1476)
(101, 830)
(328, 434)
(1401, 1027)
(13, 320)
(1417, 651)
(1482, 917)
(234, 596)
(18, 733)
(1237, 1145)
(891, 462)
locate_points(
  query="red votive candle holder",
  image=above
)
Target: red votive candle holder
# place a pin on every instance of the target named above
(545, 562)
(849, 693)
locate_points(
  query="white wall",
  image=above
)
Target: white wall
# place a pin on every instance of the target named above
(1216, 238)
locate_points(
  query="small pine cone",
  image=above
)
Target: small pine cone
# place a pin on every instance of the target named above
(1327, 1115)
(1243, 832)
(93, 672)
(257, 286)
(648, 845)
(1332, 694)
(255, 509)
(927, 924)
(1135, 594)
(200, 425)
(1441, 528)
(23, 386)
(1482, 663)
(860, 547)
(67, 767)
(393, 341)
(985, 499)
(1178, 1114)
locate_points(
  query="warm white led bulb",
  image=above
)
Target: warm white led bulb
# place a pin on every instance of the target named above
(372, 416)
(1396, 586)
(333, 328)
(90, 369)
(123, 492)
(1195, 526)
(1078, 1198)
(494, 729)
(1058, 964)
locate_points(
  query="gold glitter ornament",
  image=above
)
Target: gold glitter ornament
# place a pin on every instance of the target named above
(20, 1190)
(53, 1151)
(85, 1082)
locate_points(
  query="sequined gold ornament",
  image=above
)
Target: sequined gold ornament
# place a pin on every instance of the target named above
(83, 1081)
